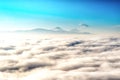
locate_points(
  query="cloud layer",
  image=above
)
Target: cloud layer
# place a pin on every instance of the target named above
(61, 59)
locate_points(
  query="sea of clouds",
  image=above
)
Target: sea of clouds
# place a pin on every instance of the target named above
(60, 58)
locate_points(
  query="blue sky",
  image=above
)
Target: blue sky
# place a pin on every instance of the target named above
(67, 14)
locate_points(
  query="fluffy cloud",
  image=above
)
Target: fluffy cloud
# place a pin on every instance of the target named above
(61, 59)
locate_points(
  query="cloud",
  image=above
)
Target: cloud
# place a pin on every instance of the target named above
(61, 58)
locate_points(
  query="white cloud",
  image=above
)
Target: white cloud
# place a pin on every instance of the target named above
(62, 58)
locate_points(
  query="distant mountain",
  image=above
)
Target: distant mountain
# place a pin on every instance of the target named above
(57, 30)
(83, 25)
(36, 30)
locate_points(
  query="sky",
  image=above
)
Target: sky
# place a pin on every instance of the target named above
(100, 15)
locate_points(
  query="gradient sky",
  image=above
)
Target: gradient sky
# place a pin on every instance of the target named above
(67, 14)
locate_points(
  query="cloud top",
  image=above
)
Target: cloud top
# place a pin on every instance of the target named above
(62, 59)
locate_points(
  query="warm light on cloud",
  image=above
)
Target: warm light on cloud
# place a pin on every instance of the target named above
(59, 57)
